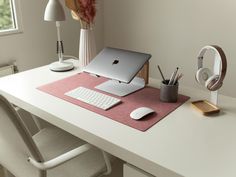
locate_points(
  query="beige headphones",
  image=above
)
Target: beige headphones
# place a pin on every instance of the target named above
(204, 76)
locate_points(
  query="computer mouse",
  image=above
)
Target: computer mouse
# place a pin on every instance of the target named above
(141, 112)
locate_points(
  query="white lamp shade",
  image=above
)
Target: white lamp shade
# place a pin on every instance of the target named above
(54, 11)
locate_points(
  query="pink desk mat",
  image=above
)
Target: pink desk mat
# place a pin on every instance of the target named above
(148, 97)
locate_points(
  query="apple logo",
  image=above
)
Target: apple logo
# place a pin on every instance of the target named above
(115, 62)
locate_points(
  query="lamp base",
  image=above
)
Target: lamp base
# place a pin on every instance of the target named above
(61, 66)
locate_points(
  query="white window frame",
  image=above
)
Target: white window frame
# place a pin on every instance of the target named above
(17, 20)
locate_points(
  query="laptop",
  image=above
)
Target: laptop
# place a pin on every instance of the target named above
(117, 64)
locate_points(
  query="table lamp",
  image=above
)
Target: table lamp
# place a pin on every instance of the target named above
(54, 12)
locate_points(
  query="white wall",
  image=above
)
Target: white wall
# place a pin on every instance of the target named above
(174, 32)
(36, 46)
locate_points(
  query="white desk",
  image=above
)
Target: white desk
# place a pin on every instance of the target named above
(183, 144)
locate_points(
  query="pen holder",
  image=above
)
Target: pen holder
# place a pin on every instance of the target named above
(169, 93)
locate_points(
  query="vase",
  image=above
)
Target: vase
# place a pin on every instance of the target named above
(87, 47)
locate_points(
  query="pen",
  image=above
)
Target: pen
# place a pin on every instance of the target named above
(179, 77)
(161, 73)
(176, 79)
(172, 78)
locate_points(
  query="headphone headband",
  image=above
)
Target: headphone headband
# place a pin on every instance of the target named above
(222, 57)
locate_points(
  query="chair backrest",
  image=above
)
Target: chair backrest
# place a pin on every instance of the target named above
(16, 143)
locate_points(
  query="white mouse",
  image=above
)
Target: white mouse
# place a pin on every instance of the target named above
(140, 112)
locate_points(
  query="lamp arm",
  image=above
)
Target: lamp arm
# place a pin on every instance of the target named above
(60, 49)
(60, 159)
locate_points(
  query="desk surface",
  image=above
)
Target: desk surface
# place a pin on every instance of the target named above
(183, 144)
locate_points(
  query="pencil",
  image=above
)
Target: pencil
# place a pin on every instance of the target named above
(161, 73)
(172, 78)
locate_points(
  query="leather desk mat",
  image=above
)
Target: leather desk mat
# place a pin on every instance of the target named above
(147, 97)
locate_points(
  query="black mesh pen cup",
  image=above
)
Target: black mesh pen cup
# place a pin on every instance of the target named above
(169, 93)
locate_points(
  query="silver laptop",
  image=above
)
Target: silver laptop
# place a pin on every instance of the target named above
(117, 64)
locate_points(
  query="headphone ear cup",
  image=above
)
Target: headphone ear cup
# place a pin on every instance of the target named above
(210, 83)
(202, 75)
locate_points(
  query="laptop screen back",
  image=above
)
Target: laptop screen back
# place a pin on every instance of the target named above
(117, 64)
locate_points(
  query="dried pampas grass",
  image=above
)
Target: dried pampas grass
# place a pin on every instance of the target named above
(83, 10)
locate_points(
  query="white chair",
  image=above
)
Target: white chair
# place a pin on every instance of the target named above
(33, 123)
(51, 152)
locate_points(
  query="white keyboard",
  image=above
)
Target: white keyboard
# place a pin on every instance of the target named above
(94, 98)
